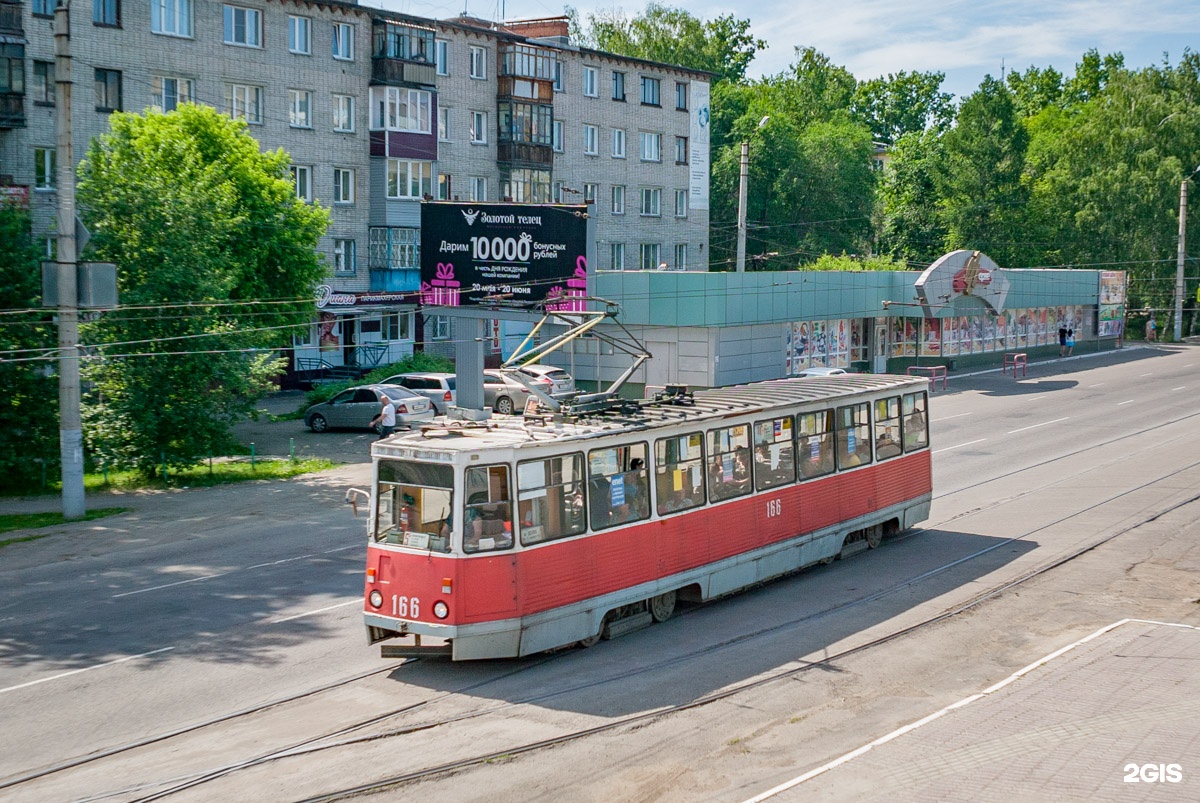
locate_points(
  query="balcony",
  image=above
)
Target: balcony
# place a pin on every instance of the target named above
(525, 88)
(525, 154)
(12, 110)
(385, 70)
(10, 18)
(395, 280)
(402, 54)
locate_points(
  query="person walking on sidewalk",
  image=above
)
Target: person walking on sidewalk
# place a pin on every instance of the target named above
(386, 418)
(1070, 342)
(1062, 340)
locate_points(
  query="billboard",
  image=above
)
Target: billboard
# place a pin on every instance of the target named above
(699, 145)
(475, 252)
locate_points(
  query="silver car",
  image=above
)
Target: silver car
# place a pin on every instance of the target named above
(355, 408)
(437, 387)
(561, 383)
(503, 393)
(820, 371)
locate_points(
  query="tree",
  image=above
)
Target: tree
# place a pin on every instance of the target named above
(901, 103)
(216, 266)
(29, 414)
(1035, 89)
(912, 228)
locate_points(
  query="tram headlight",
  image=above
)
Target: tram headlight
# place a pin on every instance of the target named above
(376, 599)
(441, 610)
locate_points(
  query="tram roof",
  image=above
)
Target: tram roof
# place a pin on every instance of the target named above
(704, 406)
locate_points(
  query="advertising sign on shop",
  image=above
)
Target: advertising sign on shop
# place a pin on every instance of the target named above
(473, 252)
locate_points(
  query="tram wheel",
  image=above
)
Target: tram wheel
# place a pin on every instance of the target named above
(662, 606)
(504, 405)
(592, 641)
(318, 423)
(874, 536)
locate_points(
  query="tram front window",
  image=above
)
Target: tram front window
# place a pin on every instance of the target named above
(487, 513)
(414, 504)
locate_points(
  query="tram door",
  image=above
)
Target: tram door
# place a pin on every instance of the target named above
(879, 347)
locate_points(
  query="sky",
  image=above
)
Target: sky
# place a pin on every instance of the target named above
(871, 38)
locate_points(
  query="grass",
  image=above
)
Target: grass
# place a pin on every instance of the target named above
(220, 472)
(31, 521)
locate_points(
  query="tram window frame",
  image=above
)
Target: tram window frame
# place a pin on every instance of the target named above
(914, 404)
(550, 507)
(605, 466)
(852, 419)
(815, 429)
(774, 453)
(413, 487)
(728, 463)
(669, 499)
(481, 502)
(886, 427)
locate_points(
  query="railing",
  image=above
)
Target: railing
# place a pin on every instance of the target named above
(521, 153)
(393, 71)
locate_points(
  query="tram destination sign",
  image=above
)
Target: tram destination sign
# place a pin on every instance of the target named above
(475, 253)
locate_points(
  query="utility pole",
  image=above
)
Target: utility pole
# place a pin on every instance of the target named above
(743, 186)
(1180, 259)
(70, 429)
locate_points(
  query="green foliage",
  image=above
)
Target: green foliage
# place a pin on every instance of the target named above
(216, 267)
(901, 103)
(29, 414)
(912, 229)
(846, 262)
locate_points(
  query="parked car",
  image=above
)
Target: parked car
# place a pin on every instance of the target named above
(561, 382)
(354, 408)
(819, 371)
(437, 387)
(504, 394)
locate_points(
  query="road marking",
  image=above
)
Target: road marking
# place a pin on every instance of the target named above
(169, 585)
(1149, 374)
(1127, 401)
(1035, 426)
(1098, 384)
(341, 549)
(948, 417)
(1181, 387)
(968, 443)
(355, 601)
(85, 669)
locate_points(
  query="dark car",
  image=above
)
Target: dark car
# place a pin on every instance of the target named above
(355, 408)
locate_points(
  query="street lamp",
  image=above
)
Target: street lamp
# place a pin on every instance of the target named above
(743, 186)
(1179, 258)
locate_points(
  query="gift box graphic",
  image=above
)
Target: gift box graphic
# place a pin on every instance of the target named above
(443, 291)
(572, 299)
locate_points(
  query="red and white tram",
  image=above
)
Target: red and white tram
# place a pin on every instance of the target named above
(517, 536)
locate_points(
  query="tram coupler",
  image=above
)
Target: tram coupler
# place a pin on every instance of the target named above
(417, 650)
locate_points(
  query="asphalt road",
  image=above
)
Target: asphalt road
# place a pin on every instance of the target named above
(205, 603)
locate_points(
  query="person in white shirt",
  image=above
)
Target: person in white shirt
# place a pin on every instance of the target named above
(387, 416)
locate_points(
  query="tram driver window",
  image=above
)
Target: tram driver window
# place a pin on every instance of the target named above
(728, 462)
(550, 498)
(487, 514)
(853, 433)
(679, 472)
(814, 445)
(915, 424)
(773, 453)
(618, 485)
(414, 504)
(887, 428)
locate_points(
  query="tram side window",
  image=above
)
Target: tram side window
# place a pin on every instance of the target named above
(887, 428)
(550, 498)
(815, 443)
(853, 433)
(679, 472)
(774, 453)
(618, 485)
(916, 425)
(728, 462)
(413, 504)
(487, 514)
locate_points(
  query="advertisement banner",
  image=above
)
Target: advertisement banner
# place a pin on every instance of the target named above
(517, 252)
(698, 146)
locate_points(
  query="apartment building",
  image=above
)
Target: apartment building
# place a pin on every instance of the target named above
(379, 111)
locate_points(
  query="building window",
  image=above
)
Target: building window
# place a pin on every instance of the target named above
(651, 147)
(589, 193)
(396, 108)
(409, 179)
(590, 82)
(343, 112)
(302, 179)
(618, 143)
(443, 191)
(300, 35)
(651, 201)
(44, 8)
(443, 124)
(343, 185)
(300, 108)
(108, 90)
(560, 73)
(396, 326)
(243, 26)
(479, 128)
(478, 63)
(618, 256)
(43, 83)
(244, 101)
(45, 168)
(681, 256)
(681, 203)
(557, 139)
(618, 199)
(650, 91)
(525, 185)
(681, 90)
(437, 327)
(441, 56)
(171, 17)
(394, 248)
(343, 41)
(479, 188)
(106, 12)
(556, 193)
(345, 256)
(12, 66)
(619, 86)
(168, 93)
(590, 137)
(681, 150)
(649, 256)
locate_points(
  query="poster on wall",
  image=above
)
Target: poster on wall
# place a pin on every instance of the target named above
(698, 146)
(931, 342)
(1112, 303)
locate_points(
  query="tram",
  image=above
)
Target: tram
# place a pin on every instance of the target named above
(514, 536)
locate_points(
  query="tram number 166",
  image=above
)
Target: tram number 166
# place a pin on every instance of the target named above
(774, 508)
(406, 607)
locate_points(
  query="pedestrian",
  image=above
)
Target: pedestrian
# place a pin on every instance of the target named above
(1070, 342)
(386, 420)
(662, 265)
(1062, 339)
(1151, 329)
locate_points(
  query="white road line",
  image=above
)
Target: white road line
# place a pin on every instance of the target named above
(85, 669)
(1181, 387)
(959, 446)
(948, 417)
(1127, 401)
(277, 562)
(169, 585)
(355, 601)
(1035, 426)
(341, 549)
(1149, 374)
(1098, 384)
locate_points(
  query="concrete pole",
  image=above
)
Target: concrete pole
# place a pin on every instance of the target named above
(70, 430)
(1179, 260)
(743, 183)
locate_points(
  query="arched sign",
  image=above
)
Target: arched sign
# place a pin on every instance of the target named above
(959, 274)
